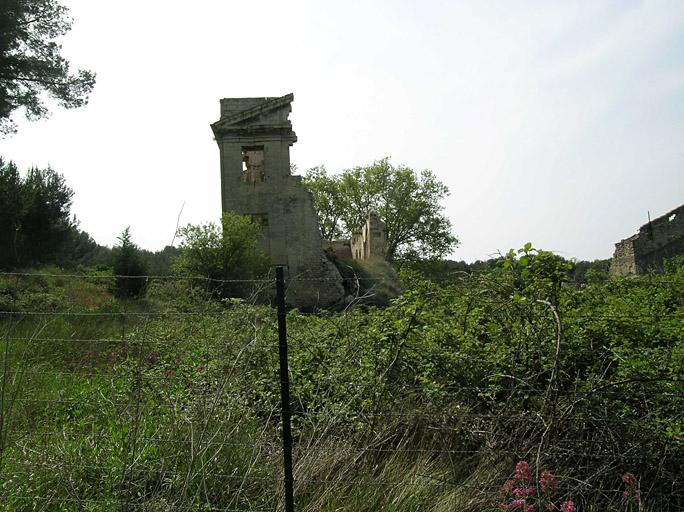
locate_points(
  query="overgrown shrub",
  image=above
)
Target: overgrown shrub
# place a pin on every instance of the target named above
(425, 404)
(223, 257)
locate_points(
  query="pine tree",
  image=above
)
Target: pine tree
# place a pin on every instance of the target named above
(31, 63)
(129, 268)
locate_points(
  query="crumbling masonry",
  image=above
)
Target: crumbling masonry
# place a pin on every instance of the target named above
(656, 241)
(368, 241)
(254, 136)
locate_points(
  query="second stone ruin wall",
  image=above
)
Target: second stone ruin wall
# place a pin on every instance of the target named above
(624, 262)
(660, 239)
(663, 238)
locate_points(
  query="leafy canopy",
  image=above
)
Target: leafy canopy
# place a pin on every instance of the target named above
(408, 202)
(226, 252)
(31, 62)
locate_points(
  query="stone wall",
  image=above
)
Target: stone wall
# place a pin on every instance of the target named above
(369, 241)
(656, 241)
(624, 262)
(254, 136)
(340, 248)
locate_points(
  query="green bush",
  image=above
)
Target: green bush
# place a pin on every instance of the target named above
(221, 254)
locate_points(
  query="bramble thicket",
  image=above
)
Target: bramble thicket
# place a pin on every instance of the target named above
(171, 401)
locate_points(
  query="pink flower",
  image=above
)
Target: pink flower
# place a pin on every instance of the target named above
(547, 481)
(637, 497)
(522, 472)
(568, 506)
(506, 487)
(629, 479)
(523, 491)
(518, 503)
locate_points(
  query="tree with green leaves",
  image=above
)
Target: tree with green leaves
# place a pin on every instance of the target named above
(129, 268)
(408, 202)
(222, 253)
(80, 249)
(31, 62)
(11, 213)
(35, 215)
(325, 192)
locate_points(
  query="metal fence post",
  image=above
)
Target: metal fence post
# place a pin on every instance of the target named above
(285, 391)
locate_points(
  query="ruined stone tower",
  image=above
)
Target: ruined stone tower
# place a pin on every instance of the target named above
(254, 136)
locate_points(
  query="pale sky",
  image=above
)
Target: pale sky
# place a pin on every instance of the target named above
(559, 123)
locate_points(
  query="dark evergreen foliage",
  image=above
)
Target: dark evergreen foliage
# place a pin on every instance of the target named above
(80, 249)
(35, 216)
(31, 62)
(129, 268)
(11, 208)
(159, 262)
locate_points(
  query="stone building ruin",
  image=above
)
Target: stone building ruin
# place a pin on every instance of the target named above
(656, 241)
(254, 136)
(369, 240)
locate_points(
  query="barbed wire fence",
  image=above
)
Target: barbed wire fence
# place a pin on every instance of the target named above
(161, 405)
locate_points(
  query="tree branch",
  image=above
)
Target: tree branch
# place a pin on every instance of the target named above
(36, 80)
